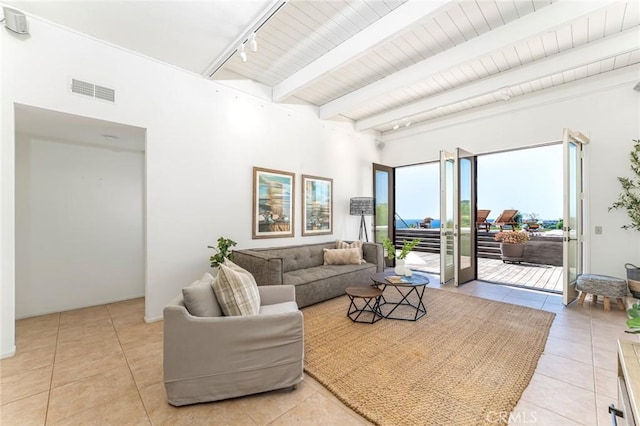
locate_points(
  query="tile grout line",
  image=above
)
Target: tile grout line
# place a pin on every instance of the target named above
(292, 408)
(557, 414)
(593, 367)
(128, 365)
(53, 365)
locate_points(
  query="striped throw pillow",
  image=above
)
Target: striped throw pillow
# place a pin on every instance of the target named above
(355, 244)
(236, 290)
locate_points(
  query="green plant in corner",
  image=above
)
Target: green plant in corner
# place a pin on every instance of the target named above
(629, 198)
(407, 246)
(222, 251)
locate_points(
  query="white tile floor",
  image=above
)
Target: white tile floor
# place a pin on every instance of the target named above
(103, 365)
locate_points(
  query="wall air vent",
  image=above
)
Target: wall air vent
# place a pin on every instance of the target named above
(89, 89)
(105, 93)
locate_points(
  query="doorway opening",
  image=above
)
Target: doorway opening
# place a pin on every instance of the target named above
(80, 211)
(528, 180)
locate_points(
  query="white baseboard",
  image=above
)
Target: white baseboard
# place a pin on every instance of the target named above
(8, 354)
(150, 320)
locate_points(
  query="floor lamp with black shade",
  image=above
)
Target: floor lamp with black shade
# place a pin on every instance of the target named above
(362, 206)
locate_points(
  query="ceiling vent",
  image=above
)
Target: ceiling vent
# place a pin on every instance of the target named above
(89, 89)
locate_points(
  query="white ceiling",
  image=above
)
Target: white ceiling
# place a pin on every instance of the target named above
(187, 34)
(70, 128)
(376, 62)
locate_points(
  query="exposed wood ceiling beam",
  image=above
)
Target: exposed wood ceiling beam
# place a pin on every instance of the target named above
(547, 19)
(616, 78)
(386, 27)
(611, 46)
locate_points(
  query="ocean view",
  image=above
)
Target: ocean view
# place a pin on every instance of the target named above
(435, 223)
(413, 223)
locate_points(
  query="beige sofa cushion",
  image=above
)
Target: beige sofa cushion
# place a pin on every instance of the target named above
(236, 290)
(349, 256)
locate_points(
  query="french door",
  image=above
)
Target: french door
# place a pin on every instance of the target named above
(384, 211)
(458, 257)
(572, 230)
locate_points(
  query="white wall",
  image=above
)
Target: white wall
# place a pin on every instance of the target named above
(79, 225)
(202, 141)
(606, 110)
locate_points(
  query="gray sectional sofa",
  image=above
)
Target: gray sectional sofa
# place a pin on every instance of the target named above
(302, 266)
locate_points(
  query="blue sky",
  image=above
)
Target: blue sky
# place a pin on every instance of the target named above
(529, 180)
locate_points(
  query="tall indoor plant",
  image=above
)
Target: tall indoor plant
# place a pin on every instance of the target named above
(512, 245)
(629, 198)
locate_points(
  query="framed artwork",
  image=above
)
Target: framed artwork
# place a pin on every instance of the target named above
(317, 206)
(273, 203)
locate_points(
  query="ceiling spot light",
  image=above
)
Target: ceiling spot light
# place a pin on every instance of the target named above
(396, 126)
(253, 43)
(243, 54)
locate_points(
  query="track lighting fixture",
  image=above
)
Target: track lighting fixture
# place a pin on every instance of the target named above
(253, 43)
(402, 122)
(243, 54)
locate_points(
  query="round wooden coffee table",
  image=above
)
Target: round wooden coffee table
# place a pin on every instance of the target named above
(369, 304)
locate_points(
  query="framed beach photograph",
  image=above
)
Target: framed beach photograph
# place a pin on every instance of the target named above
(317, 205)
(273, 203)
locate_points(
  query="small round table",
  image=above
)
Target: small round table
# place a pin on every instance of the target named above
(416, 285)
(369, 295)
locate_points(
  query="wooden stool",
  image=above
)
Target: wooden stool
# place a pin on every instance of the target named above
(602, 285)
(368, 294)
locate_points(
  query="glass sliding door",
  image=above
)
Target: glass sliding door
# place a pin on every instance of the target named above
(572, 231)
(384, 193)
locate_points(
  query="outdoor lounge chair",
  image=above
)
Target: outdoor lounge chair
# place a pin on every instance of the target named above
(506, 218)
(481, 220)
(425, 224)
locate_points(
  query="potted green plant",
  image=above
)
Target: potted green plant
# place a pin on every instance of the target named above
(222, 251)
(629, 198)
(390, 249)
(512, 245)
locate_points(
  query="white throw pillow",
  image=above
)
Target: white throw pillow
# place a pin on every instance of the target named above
(236, 290)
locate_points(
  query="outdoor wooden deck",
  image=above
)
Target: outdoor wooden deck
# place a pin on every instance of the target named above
(541, 277)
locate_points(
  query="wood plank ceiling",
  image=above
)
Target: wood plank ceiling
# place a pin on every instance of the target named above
(385, 63)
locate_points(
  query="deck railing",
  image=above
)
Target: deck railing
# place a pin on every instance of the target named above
(540, 250)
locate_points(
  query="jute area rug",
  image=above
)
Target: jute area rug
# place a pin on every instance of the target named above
(466, 362)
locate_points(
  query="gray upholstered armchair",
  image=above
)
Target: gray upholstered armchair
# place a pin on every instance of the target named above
(218, 357)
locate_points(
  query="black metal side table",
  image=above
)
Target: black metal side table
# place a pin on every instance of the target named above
(416, 285)
(370, 305)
